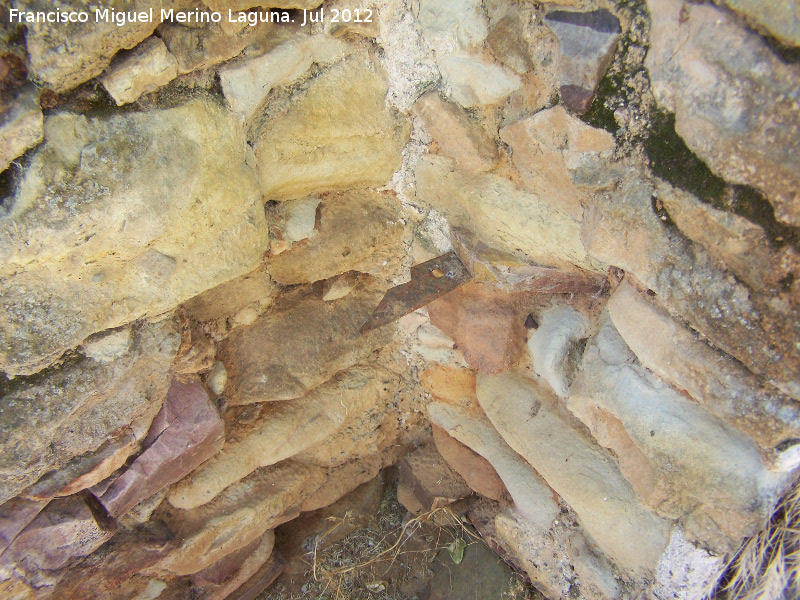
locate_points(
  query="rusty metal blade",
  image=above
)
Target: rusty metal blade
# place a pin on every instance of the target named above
(429, 280)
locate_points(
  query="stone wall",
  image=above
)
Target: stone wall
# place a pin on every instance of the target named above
(198, 219)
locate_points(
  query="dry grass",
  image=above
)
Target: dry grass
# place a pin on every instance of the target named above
(767, 567)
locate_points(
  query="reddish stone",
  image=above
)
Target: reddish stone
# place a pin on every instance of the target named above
(63, 531)
(431, 479)
(484, 324)
(187, 431)
(130, 552)
(226, 567)
(476, 470)
(15, 515)
(268, 573)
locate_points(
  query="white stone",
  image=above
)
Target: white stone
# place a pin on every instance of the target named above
(461, 21)
(301, 220)
(686, 572)
(218, 378)
(555, 344)
(473, 82)
(146, 68)
(108, 346)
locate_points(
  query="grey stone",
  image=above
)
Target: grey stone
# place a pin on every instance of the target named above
(15, 514)
(21, 123)
(781, 19)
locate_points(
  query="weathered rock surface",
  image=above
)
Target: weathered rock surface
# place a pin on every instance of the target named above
(102, 572)
(64, 531)
(505, 215)
(186, 432)
(456, 136)
(592, 485)
(685, 570)
(247, 82)
(99, 235)
(723, 385)
(781, 19)
(461, 20)
(258, 554)
(741, 244)
(71, 409)
(507, 42)
(681, 461)
(430, 479)
(64, 55)
(483, 321)
(736, 110)
(146, 68)
(338, 134)
(474, 82)
(587, 41)
(557, 346)
(478, 473)
(357, 231)
(15, 514)
(285, 429)
(556, 154)
(759, 331)
(21, 123)
(300, 343)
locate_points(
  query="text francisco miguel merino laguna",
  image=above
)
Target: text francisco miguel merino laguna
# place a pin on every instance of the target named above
(120, 18)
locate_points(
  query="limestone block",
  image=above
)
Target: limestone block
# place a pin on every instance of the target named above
(186, 432)
(474, 82)
(582, 473)
(357, 231)
(64, 55)
(456, 136)
(125, 555)
(247, 82)
(146, 68)
(122, 217)
(300, 343)
(587, 42)
(338, 134)
(72, 409)
(430, 479)
(760, 331)
(283, 430)
(63, 532)
(483, 321)
(681, 461)
(537, 225)
(781, 19)
(741, 244)
(736, 110)
(559, 155)
(21, 124)
(461, 20)
(478, 473)
(721, 384)
(556, 346)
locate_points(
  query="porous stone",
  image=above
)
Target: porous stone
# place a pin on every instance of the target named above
(723, 385)
(736, 110)
(593, 486)
(477, 472)
(681, 461)
(357, 231)
(101, 573)
(558, 155)
(285, 429)
(483, 321)
(760, 331)
(15, 514)
(556, 346)
(462, 21)
(146, 68)
(338, 134)
(248, 81)
(430, 479)
(685, 570)
(21, 123)
(72, 409)
(64, 55)
(504, 215)
(300, 343)
(741, 244)
(456, 136)
(186, 432)
(474, 82)
(587, 41)
(99, 234)
(63, 532)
